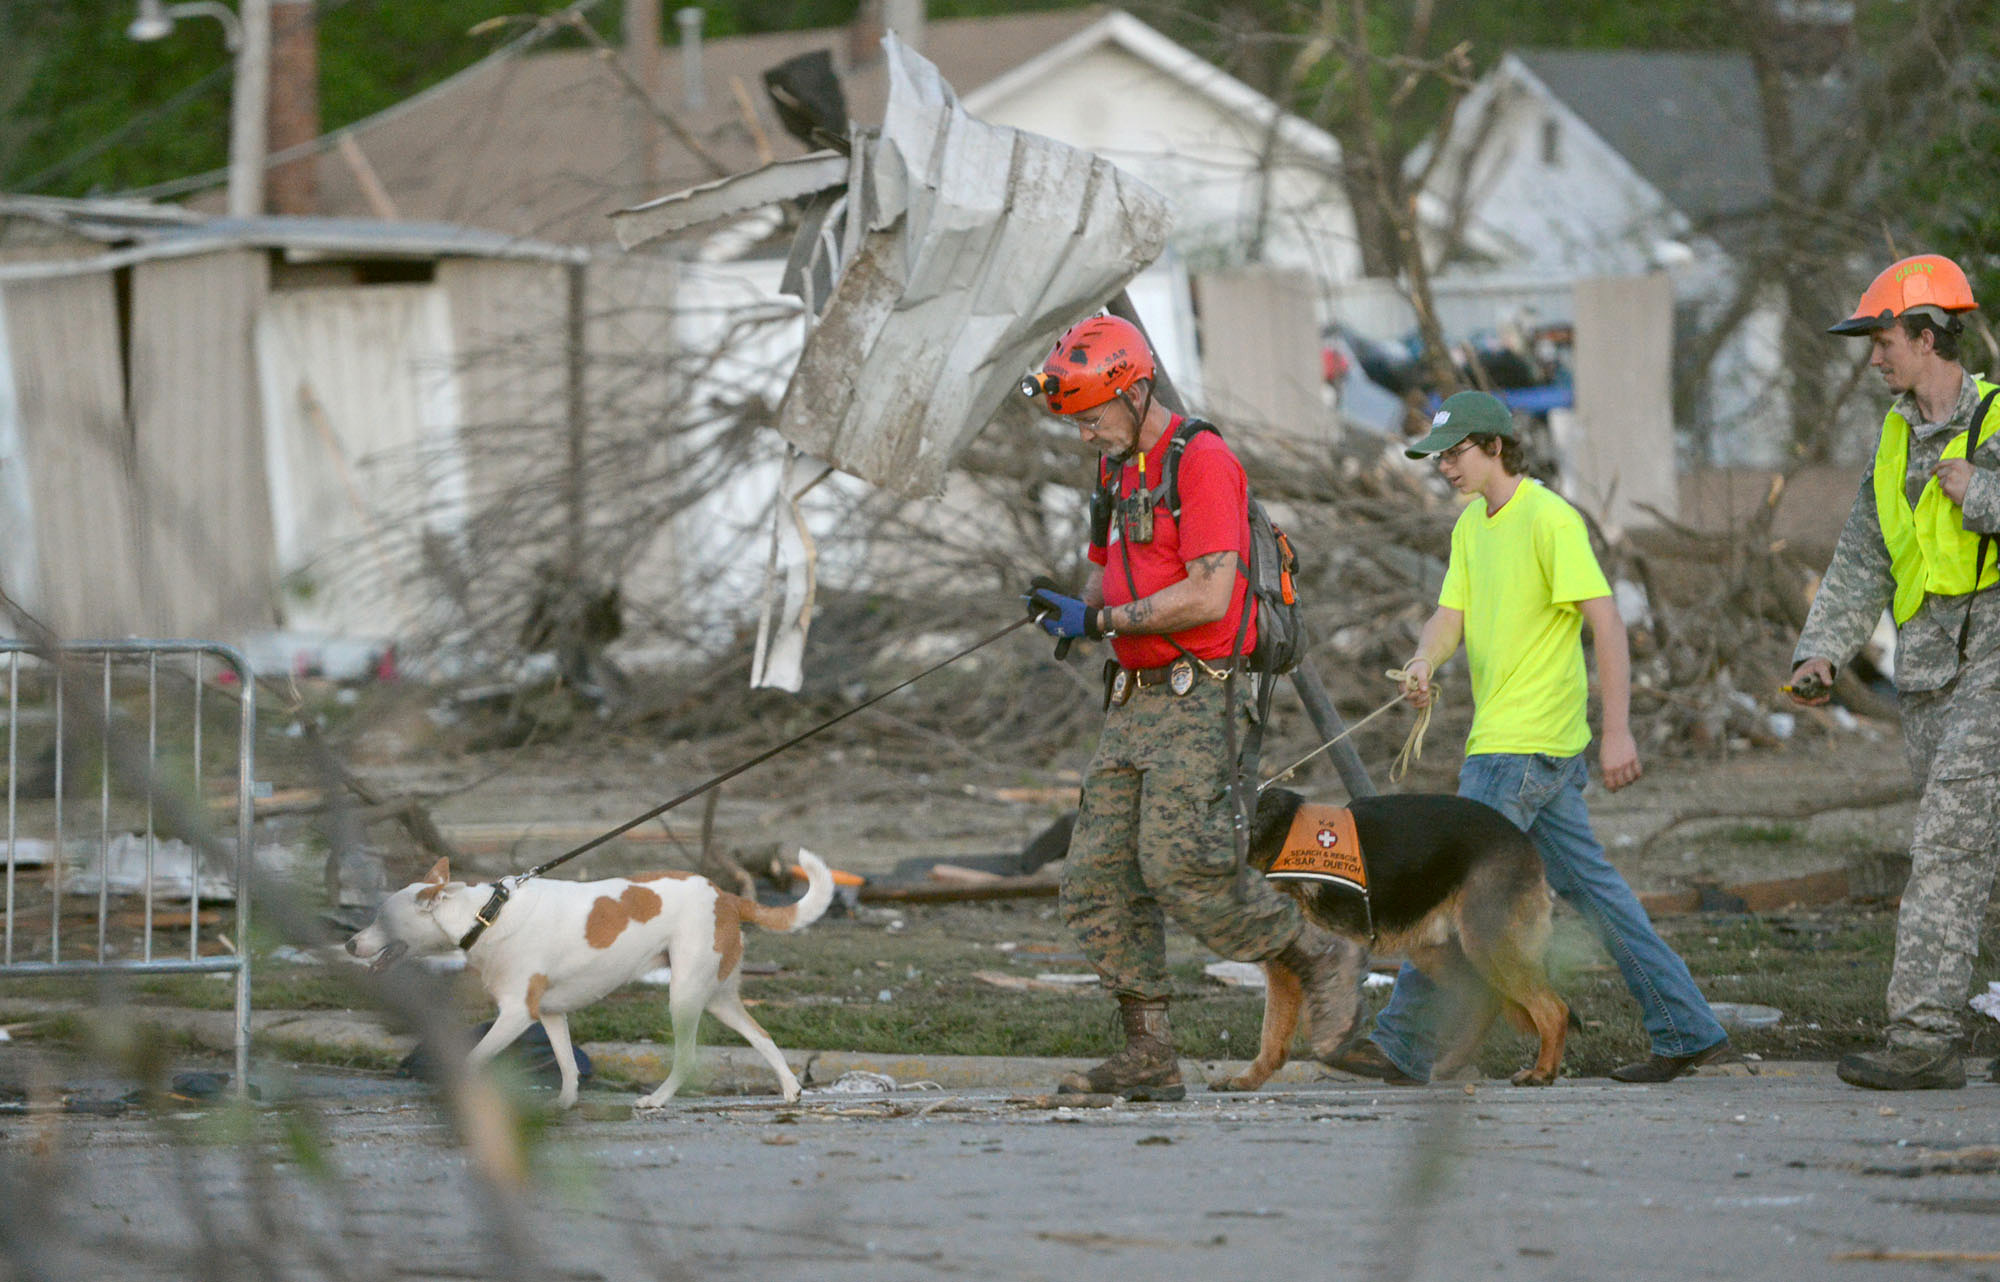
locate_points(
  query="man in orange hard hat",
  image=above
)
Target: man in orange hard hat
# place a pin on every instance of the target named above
(1921, 543)
(1155, 832)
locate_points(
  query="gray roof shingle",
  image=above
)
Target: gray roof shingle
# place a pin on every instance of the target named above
(1689, 123)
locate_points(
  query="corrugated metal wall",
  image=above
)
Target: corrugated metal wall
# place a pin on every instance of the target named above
(632, 331)
(510, 323)
(69, 393)
(276, 446)
(200, 443)
(362, 410)
(19, 560)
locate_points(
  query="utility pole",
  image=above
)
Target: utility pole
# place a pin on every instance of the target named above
(293, 187)
(249, 103)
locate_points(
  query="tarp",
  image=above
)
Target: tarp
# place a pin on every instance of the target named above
(967, 247)
(938, 267)
(957, 253)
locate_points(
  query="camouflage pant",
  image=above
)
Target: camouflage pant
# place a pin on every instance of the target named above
(1952, 736)
(1155, 836)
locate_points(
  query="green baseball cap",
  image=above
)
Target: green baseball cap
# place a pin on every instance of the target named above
(1464, 414)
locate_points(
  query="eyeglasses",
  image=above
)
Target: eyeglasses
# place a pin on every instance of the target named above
(1455, 450)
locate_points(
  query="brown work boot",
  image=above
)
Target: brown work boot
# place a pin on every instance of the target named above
(1329, 968)
(1146, 1069)
(1665, 1068)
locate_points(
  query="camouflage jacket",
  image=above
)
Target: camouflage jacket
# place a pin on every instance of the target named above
(1858, 585)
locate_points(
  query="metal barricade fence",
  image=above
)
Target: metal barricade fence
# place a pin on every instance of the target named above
(166, 685)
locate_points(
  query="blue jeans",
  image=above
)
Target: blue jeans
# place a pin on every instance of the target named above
(1543, 795)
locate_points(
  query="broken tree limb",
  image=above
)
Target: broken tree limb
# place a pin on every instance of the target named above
(1811, 890)
(1870, 800)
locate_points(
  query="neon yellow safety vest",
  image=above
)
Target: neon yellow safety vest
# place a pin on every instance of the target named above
(1930, 550)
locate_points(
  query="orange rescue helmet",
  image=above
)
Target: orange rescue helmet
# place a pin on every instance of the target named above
(1094, 361)
(1927, 284)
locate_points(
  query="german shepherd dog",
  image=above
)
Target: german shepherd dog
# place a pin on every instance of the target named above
(1455, 887)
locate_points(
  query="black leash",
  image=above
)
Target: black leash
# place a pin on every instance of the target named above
(501, 889)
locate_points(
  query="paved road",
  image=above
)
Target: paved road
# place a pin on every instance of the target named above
(1787, 1174)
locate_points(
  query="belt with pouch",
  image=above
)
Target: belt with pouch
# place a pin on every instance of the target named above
(1180, 676)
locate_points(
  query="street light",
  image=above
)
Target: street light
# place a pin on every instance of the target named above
(156, 20)
(249, 39)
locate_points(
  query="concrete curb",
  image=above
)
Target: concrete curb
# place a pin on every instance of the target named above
(724, 1069)
(738, 1070)
(731, 1070)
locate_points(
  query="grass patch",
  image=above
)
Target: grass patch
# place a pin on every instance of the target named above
(1825, 971)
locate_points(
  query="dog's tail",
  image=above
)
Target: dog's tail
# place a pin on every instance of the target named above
(806, 911)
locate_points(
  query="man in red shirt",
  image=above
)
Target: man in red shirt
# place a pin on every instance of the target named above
(1155, 833)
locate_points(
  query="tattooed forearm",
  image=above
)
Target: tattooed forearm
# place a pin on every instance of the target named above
(1205, 568)
(1202, 597)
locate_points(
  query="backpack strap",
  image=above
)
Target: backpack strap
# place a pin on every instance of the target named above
(1243, 757)
(1104, 499)
(1972, 443)
(1170, 483)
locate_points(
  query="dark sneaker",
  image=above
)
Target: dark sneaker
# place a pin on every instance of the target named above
(1665, 1068)
(1904, 1068)
(1365, 1059)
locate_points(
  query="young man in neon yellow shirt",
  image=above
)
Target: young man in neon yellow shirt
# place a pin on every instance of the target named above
(1521, 583)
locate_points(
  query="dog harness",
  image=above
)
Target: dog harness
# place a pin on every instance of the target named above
(1322, 846)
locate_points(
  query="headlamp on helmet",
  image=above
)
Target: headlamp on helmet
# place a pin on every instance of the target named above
(1094, 361)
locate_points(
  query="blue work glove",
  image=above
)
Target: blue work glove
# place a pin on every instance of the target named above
(1058, 614)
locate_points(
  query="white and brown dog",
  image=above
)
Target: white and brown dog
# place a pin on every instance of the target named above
(557, 946)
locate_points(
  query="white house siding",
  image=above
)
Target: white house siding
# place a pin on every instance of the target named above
(68, 405)
(1586, 214)
(509, 324)
(1585, 211)
(1201, 156)
(632, 326)
(361, 411)
(734, 310)
(199, 442)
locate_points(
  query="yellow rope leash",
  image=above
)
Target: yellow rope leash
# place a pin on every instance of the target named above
(1413, 745)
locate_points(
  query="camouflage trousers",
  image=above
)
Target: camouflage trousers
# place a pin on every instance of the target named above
(1952, 736)
(1155, 837)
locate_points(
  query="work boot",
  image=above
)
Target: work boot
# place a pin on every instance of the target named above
(1365, 1059)
(1904, 1068)
(1665, 1068)
(1145, 1069)
(1329, 968)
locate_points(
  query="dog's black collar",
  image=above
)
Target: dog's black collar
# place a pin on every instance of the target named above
(485, 916)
